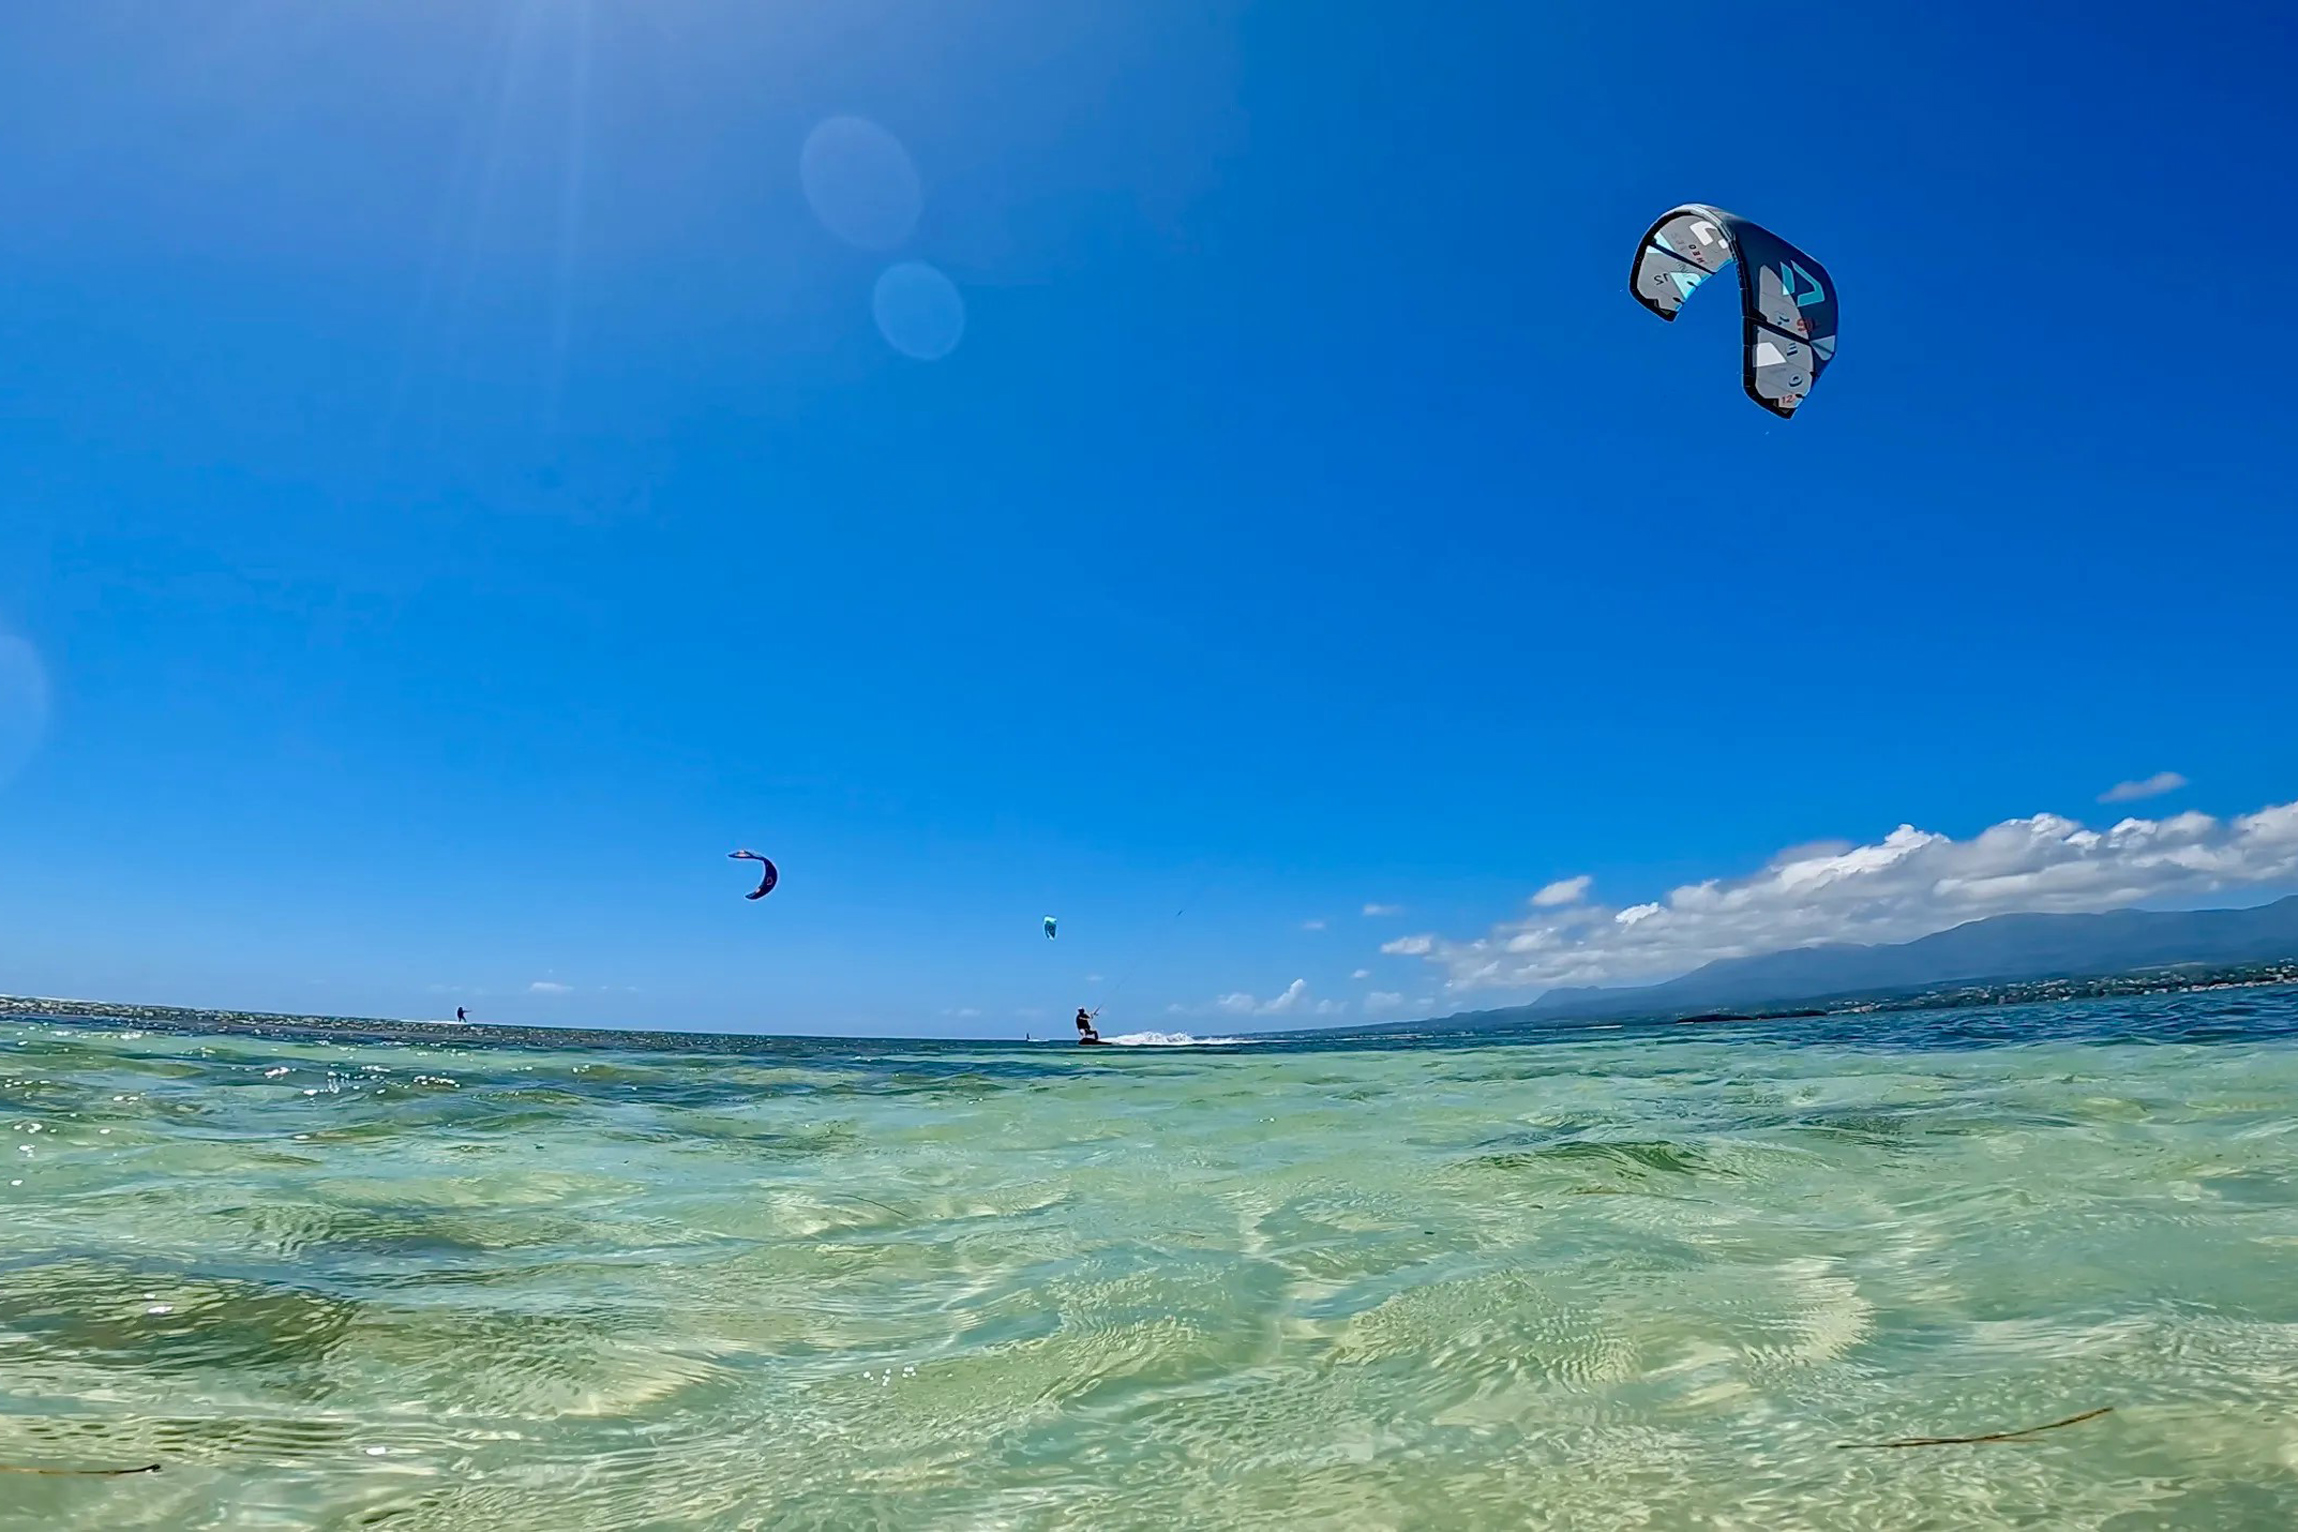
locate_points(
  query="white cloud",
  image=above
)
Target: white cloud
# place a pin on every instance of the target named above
(549, 987)
(1312, 925)
(1294, 1001)
(1381, 1001)
(962, 1013)
(1562, 891)
(1807, 850)
(2150, 787)
(1093, 978)
(1910, 883)
(1294, 992)
(1384, 909)
(1361, 973)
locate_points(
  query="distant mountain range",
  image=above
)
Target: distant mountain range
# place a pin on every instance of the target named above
(2001, 948)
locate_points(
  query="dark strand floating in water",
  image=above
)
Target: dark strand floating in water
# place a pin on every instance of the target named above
(1991, 1436)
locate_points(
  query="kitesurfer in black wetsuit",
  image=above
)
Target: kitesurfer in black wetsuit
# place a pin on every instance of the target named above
(1085, 1032)
(461, 1014)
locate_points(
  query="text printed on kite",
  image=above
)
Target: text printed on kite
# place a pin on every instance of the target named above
(1787, 299)
(768, 873)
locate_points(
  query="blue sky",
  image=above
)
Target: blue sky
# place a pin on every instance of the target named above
(453, 487)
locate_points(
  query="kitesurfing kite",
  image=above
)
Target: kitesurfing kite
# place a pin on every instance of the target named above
(1786, 299)
(768, 874)
(1049, 924)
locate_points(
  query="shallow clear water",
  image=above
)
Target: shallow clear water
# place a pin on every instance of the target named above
(1643, 1277)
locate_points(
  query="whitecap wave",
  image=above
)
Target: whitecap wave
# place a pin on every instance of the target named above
(1173, 1040)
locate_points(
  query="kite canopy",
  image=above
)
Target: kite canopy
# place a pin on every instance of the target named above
(768, 873)
(1786, 299)
(1049, 925)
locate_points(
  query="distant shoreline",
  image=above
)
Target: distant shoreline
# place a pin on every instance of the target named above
(1972, 995)
(38, 1008)
(1967, 994)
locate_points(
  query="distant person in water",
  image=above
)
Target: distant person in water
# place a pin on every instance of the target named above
(461, 1014)
(1085, 1032)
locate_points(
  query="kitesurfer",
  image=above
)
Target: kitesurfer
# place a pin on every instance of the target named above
(461, 1014)
(1085, 1032)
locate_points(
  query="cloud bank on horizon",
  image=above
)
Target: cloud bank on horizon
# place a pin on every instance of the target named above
(1293, 1000)
(1907, 885)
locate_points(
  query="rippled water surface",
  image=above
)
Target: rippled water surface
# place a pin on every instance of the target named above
(1643, 1277)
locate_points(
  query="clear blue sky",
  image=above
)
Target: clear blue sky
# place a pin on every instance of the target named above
(455, 488)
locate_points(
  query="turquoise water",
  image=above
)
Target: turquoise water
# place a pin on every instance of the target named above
(1641, 1277)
